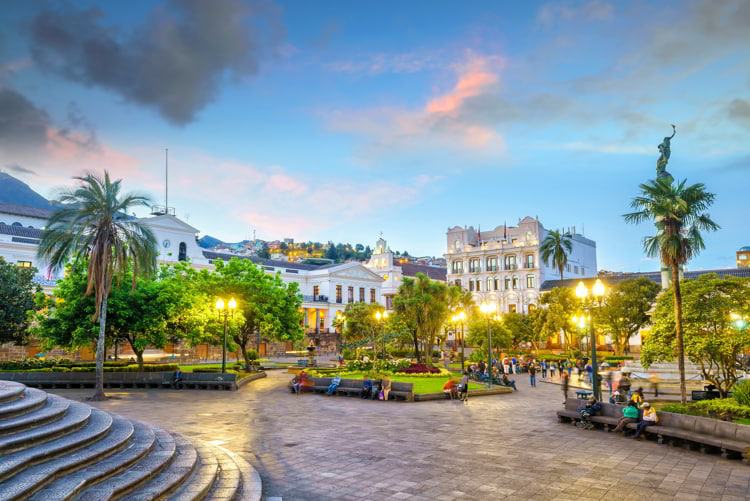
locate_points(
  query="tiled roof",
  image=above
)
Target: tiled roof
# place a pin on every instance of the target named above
(654, 276)
(433, 272)
(26, 210)
(20, 231)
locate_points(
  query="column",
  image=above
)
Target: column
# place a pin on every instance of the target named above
(317, 321)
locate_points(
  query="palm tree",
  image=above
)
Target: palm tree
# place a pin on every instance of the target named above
(93, 223)
(678, 211)
(556, 245)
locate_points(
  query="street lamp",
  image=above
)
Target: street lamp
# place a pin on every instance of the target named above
(489, 309)
(460, 317)
(598, 292)
(382, 317)
(739, 321)
(229, 308)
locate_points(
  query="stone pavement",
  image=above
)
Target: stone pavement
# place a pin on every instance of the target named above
(509, 446)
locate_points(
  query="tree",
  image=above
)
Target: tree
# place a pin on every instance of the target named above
(283, 246)
(625, 310)
(267, 306)
(424, 306)
(331, 252)
(360, 321)
(678, 211)
(93, 222)
(555, 247)
(359, 247)
(18, 296)
(561, 306)
(263, 252)
(520, 328)
(477, 333)
(711, 337)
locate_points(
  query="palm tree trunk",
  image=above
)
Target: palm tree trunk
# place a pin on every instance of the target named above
(99, 392)
(678, 327)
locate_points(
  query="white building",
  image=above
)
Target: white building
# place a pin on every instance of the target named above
(503, 266)
(393, 270)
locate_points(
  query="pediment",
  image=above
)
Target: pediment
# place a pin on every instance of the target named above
(357, 272)
(169, 222)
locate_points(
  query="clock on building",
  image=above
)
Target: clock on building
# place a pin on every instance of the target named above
(166, 244)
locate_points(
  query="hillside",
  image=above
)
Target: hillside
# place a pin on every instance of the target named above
(15, 191)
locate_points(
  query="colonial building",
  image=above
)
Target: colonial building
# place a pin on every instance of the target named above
(743, 257)
(503, 266)
(393, 270)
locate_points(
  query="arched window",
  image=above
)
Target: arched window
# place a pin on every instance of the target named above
(457, 244)
(16, 224)
(183, 252)
(515, 282)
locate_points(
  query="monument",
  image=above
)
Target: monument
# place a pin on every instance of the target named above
(665, 148)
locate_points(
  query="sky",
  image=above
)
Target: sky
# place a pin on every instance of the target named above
(339, 120)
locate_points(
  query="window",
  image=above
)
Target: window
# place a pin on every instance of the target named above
(515, 283)
(513, 240)
(530, 282)
(532, 308)
(511, 308)
(372, 295)
(338, 294)
(292, 271)
(743, 256)
(361, 294)
(24, 264)
(507, 283)
(510, 262)
(583, 270)
(471, 285)
(497, 284)
(479, 282)
(350, 292)
(183, 252)
(567, 268)
(489, 284)
(491, 264)
(389, 302)
(529, 260)
(458, 267)
(457, 244)
(575, 270)
(316, 291)
(474, 266)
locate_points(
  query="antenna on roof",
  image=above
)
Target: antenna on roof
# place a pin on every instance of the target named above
(157, 210)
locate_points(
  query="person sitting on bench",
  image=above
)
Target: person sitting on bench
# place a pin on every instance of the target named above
(298, 381)
(590, 409)
(649, 417)
(177, 378)
(629, 415)
(385, 384)
(509, 382)
(366, 388)
(334, 384)
(449, 388)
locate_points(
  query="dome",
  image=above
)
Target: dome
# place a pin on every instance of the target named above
(746, 248)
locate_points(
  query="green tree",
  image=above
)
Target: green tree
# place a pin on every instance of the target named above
(360, 321)
(679, 212)
(359, 247)
(712, 339)
(18, 297)
(283, 246)
(331, 251)
(521, 329)
(625, 310)
(263, 252)
(476, 335)
(93, 222)
(555, 248)
(561, 306)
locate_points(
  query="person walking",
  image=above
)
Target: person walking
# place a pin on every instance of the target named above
(543, 365)
(588, 374)
(532, 375)
(564, 377)
(513, 365)
(569, 367)
(552, 367)
(653, 377)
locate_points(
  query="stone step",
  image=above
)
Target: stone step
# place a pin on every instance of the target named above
(52, 410)
(173, 476)
(118, 486)
(29, 401)
(228, 481)
(250, 488)
(203, 477)
(141, 442)
(10, 391)
(74, 419)
(35, 477)
(98, 426)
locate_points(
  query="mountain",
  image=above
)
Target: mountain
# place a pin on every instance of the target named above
(15, 191)
(209, 242)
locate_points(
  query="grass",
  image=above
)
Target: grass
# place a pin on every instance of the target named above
(742, 421)
(420, 384)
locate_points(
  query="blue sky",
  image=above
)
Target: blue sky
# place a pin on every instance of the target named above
(336, 121)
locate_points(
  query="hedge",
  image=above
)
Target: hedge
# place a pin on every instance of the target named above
(719, 407)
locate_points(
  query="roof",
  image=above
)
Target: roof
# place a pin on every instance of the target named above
(746, 248)
(654, 276)
(433, 272)
(26, 210)
(20, 231)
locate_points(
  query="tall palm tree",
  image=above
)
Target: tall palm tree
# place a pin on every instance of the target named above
(556, 246)
(678, 211)
(93, 223)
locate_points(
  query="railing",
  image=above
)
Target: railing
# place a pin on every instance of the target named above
(315, 298)
(511, 266)
(529, 266)
(493, 268)
(40, 280)
(458, 272)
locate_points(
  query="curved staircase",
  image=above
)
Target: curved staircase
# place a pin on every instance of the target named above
(52, 448)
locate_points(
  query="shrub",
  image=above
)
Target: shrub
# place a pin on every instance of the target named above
(252, 355)
(420, 369)
(348, 353)
(741, 392)
(720, 407)
(206, 369)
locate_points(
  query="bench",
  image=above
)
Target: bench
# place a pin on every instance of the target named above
(731, 439)
(123, 380)
(350, 387)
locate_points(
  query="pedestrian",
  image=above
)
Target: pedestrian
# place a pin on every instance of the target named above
(508, 382)
(649, 417)
(481, 367)
(624, 386)
(450, 389)
(629, 415)
(588, 374)
(464, 388)
(653, 377)
(544, 364)
(609, 381)
(564, 376)
(513, 363)
(638, 396)
(532, 375)
(552, 367)
(569, 367)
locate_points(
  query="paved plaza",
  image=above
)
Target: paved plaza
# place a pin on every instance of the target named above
(510, 446)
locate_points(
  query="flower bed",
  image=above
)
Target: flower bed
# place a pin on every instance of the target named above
(419, 369)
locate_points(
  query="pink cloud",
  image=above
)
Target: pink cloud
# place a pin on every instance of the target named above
(470, 83)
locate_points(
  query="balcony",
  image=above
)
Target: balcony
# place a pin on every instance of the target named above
(315, 299)
(511, 267)
(457, 272)
(475, 270)
(529, 266)
(493, 268)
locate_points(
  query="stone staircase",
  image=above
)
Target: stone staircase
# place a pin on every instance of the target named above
(54, 448)
(669, 379)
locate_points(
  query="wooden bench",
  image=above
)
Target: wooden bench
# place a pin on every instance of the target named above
(731, 439)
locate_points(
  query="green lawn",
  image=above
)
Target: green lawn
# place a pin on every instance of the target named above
(421, 384)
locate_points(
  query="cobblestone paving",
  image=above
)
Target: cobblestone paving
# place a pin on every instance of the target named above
(313, 447)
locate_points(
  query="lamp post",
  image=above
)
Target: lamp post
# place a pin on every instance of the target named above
(598, 292)
(226, 309)
(488, 309)
(381, 317)
(739, 321)
(460, 317)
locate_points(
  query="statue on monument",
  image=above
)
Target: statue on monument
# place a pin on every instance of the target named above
(666, 151)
